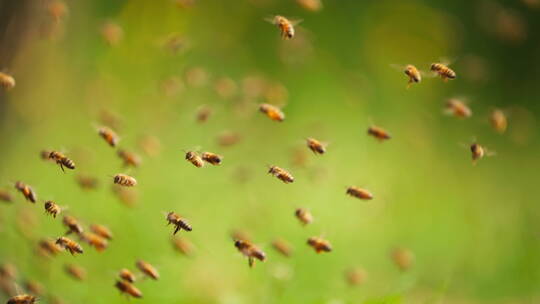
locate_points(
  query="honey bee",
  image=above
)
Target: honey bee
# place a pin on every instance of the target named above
(128, 288)
(196, 77)
(128, 196)
(102, 231)
(355, 276)
(57, 10)
(62, 160)
(183, 246)
(87, 182)
(251, 251)
(319, 244)
(69, 245)
(415, 76)
(27, 191)
(109, 136)
(124, 180)
(52, 208)
(129, 158)
(203, 114)
(498, 120)
(273, 112)
(458, 108)
(225, 87)
(6, 196)
(378, 133)
(110, 118)
(316, 146)
(8, 271)
(48, 247)
(7, 81)
(127, 275)
(311, 5)
(403, 258)
(150, 145)
(94, 240)
(72, 224)
(281, 174)
(478, 152)
(147, 269)
(212, 158)
(443, 71)
(33, 287)
(282, 247)
(22, 299)
(285, 25)
(195, 159)
(360, 193)
(112, 33)
(76, 272)
(304, 216)
(179, 222)
(228, 138)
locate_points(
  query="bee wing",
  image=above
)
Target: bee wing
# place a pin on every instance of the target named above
(295, 21)
(447, 61)
(270, 19)
(399, 67)
(428, 74)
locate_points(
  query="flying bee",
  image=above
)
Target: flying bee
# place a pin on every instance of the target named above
(316, 146)
(319, 244)
(478, 152)
(378, 133)
(195, 159)
(282, 247)
(304, 216)
(8, 271)
(57, 10)
(5, 196)
(498, 120)
(179, 222)
(413, 73)
(355, 276)
(62, 160)
(147, 269)
(129, 158)
(52, 208)
(124, 180)
(102, 231)
(48, 247)
(443, 71)
(128, 288)
(403, 258)
(44, 154)
(76, 272)
(251, 251)
(150, 145)
(72, 224)
(311, 5)
(22, 299)
(69, 245)
(27, 191)
(183, 246)
(95, 240)
(87, 182)
(7, 81)
(127, 196)
(360, 193)
(281, 174)
(109, 136)
(457, 108)
(285, 25)
(34, 287)
(228, 138)
(273, 112)
(212, 158)
(127, 275)
(203, 113)
(112, 33)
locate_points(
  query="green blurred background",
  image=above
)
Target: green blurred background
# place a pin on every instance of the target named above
(474, 230)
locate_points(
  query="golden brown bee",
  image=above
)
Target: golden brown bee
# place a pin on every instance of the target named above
(22, 299)
(127, 275)
(360, 193)
(57, 10)
(378, 133)
(150, 145)
(128, 288)
(251, 251)
(147, 269)
(403, 258)
(52, 208)
(72, 224)
(7, 81)
(33, 287)
(273, 112)
(87, 182)
(62, 160)
(109, 136)
(94, 240)
(478, 152)
(240, 235)
(282, 247)
(129, 158)
(311, 5)
(355, 276)
(458, 108)
(124, 180)
(203, 114)
(303, 215)
(285, 25)
(413, 73)
(281, 174)
(498, 120)
(183, 246)
(443, 71)
(228, 138)
(112, 33)
(179, 222)
(128, 196)
(316, 146)
(102, 231)
(69, 245)
(111, 119)
(27, 191)
(195, 159)
(5, 196)
(225, 87)
(76, 272)
(196, 77)
(212, 158)
(8, 271)
(319, 244)
(48, 248)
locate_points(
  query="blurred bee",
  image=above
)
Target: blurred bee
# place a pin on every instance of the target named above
(7, 287)
(27, 191)
(128, 288)
(129, 158)
(196, 77)
(478, 152)
(33, 287)
(7, 81)
(498, 120)
(109, 136)
(203, 113)
(87, 182)
(285, 25)
(212, 158)
(228, 138)
(458, 108)
(240, 235)
(360, 193)
(281, 174)
(251, 251)
(111, 119)
(282, 247)
(102, 231)
(150, 145)
(378, 133)
(62, 160)
(76, 272)
(273, 112)
(304, 216)
(127, 275)
(319, 244)
(225, 87)
(57, 10)
(184, 3)
(22, 299)
(355, 276)
(8, 271)
(124, 180)
(179, 222)
(69, 245)
(112, 33)
(183, 246)
(443, 71)
(316, 146)
(48, 248)
(72, 224)
(6, 196)
(94, 240)
(195, 159)
(311, 5)
(128, 196)
(403, 258)
(52, 208)
(147, 269)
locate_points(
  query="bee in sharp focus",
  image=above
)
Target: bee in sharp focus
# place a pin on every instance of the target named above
(147, 269)
(403, 258)
(127, 275)
(87, 182)
(7, 81)
(52, 208)
(360, 193)
(273, 112)
(129, 158)
(179, 222)
(124, 180)
(378, 133)
(69, 245)
(62, 160)
(319, 244)
(251, 251)
(458, 108)
(22, 299)
(282, 247)
(443, 71)
(212, 158)
(498, 120)
(128, 288)
(94, 240)
(281, 174)
(316, 146)
(109, 136)
(72, 224)
(6, 196)
(102, 231)
(304, 216)
(195, 159)
(183, 246)
(27, 191)
(285, 25)
(76, 272)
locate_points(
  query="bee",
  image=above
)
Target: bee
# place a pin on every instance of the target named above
(378, 133)
(72, 224)
(27, 191)
(127, 275)
(124, 180)
(319, 244)
(203, 114)
(183, 246)
(311, 5)
(62, 160)
(129, 158)
(355, 276)
(316, 146)
(52, 208)
(360, 193)
(128, 196)
(94, 240)
(7, 81)
(33, 287)
(281, 174)
(251, 251)
(413, 73)
(109, 136)
(225, 87)
(403, 258)
(87, 182)
(48, 247)
(458, 108)
(478, 152)
(8, 271)
(304, 216)
(111, 119)
(150, 145)
(498, 120)
(128, 288)
(147, 269)
(195, 159)
(22, 299)
(102, 231)
(196, 77)
(179, 222)
(76, 272)
(443, 71)
(285, 25)
(57, 10)
(69, 245)
(5, 196)
(228, 138)
(282, 247)
(273, 112)
(212, 158)
(112, 33)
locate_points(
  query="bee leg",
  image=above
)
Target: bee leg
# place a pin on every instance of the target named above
(176, 229)
(250, 261)
(62, 167)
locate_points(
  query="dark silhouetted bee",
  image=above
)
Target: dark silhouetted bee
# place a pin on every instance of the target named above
(281, 174)
(69, 245)
(250, 251)
(195, 159)
(27, 191)
(203, 114)
(282, 247)
(319, 244)
(76, 272)
(212, 158)
(124, 180)
(403, 258)
(6, 196)
(458, 108)
(355, 276)
(48, 248)
(102, 231)
(22, 299)
(304, 216)
(87, 182)
(62, 160)
(109, 136)
(7, 81)
(183, 246)
(147, 269)
(179, 222)
(273, 112)
(52, 208)
(359, 193)
(72, 224)
(285, 26)
(378, 133)
(127, 275)
(128, 288)
(443, 71)
(94, 240)
(129, 158)
(498, 120)
(316, 146)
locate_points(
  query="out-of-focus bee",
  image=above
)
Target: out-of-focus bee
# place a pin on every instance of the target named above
(237, 234)
(184, 3)
(69, 245)
(62, 160)
(175, 43)
(251, 251)
(403, 258)
(109, 136)
(129, 158)
(183, 246)
(225, 87)
(172, 86)
(195, 159)
(282, 247)
(355, 276)
(33, 287)
(111, 119)
(128, 196)
(7, 81)
(443, 71)
(196, 77)
(72, 224)
(22, 299)
(6, 196)
(178, 221)
(478, 152)
(304, 216)
(285, 25)
(124, 180)
(94, 240)
(310, 5)
(127, 275)
(8, 271)
(128, 288)
(281, 174)
(48, 248)
(212, 158)
(147, 269)
(458, 108)
(360, 193)
(316, 146)
(203, 113)
(228, 138)
(52, 208)
(57, 9)
(87, 182)
(150, 145)
(7, 287)
(27, 191)
(76, 272)
(273, 112)
(319, 244)
(378, 133)
(498, 120)
(112, 33)
(102, 231)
